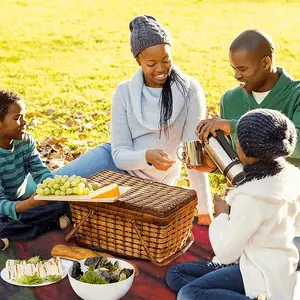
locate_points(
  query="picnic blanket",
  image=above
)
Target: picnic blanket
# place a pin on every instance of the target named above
(149, 285)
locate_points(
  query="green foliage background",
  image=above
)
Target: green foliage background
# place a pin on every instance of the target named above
(69, 55)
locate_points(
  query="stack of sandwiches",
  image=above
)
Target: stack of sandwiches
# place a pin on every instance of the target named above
(17, 269)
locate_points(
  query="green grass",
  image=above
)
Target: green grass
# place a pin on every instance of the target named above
(70, 54)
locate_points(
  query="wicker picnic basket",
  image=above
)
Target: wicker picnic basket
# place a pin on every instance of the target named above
(150, 221)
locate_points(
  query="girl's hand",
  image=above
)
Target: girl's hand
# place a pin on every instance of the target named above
(220, 206)
(159, 159)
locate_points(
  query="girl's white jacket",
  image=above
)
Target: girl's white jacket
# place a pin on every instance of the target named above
(259, 232)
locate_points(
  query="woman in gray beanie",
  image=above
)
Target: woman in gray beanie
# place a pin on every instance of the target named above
(152, 114)
(255, 257)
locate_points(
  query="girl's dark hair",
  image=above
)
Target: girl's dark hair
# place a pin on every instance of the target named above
(166, 100)
(7, 98)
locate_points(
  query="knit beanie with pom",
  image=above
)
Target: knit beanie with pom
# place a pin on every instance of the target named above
(146, 32)
(266, 134)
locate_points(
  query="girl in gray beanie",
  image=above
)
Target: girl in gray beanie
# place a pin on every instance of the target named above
(265, 137)
(255, 257)
(152, 114)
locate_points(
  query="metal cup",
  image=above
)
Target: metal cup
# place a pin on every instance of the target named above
(192, 153)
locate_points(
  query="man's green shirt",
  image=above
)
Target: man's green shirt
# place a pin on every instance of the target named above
(284, 96)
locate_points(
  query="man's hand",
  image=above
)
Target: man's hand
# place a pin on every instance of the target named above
(29, 203)
(220, 206)
(159, 159)
(205, 127)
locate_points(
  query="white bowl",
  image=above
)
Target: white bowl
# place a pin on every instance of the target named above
(110, 291)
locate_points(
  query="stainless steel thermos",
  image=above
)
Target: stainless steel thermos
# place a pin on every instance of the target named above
(226, 159)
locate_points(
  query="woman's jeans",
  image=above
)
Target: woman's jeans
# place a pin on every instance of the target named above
(207, 281)
(91, 162)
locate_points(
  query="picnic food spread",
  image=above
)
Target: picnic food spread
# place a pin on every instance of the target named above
(65, 185)
(100, 271)
(34, 270)
(78, 253)
(108, 191)
(76, 188)
(72, 252)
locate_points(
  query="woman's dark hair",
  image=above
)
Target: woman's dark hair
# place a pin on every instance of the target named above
(166, 100)
(7, 98)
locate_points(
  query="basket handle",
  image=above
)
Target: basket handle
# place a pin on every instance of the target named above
(169, 259)
(73, 231)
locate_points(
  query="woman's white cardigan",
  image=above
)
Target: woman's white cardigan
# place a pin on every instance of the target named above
(259, 233)
(135, 129)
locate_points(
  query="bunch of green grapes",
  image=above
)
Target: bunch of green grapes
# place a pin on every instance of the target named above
(64, 186)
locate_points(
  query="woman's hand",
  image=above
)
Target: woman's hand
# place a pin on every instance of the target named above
(159, 159)
(220, 206)
(205, 127)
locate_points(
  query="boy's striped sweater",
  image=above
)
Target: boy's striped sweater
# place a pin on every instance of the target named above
(15, 165)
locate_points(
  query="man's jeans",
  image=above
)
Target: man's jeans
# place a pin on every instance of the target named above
(205, 280)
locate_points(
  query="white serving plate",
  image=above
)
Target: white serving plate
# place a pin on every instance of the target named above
(66, 264)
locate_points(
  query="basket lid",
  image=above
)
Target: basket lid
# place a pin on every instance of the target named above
(146, 196)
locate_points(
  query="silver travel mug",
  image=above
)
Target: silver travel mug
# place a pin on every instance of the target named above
(192, 153)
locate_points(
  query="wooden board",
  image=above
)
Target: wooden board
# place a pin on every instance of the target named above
(84, 198)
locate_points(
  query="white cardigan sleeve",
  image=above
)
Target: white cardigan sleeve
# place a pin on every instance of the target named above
(196, 111)
(229, 233)
(123, 154)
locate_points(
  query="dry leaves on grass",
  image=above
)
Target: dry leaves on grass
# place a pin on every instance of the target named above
(58, 151)
(55, 153)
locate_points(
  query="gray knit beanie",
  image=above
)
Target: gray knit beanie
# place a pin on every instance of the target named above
(266, 134)
(146, 32)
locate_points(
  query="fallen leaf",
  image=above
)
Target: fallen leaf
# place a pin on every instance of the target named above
(50, 111)
(59, 140)
(56, 155)
(78, 115)
(70, 123)
(79, 143)
(56, 163)
(83, 135)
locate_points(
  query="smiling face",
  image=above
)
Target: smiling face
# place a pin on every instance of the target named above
(250, 70)
(13, 126)
(156, 62)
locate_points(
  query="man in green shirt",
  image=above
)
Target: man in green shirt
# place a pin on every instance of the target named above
(262, 85)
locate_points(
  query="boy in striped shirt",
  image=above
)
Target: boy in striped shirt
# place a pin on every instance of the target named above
(22, 217)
